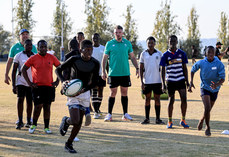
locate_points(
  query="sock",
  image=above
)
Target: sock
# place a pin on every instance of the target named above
(183, 118)
(147, 111)
(35, 122)
(69, 142)
(111, 102)
(157, 111)
(46, 121)
(124, 100)
(99, 102)
(95, 104)
(20, 119)
(28, 119)
(170, 119)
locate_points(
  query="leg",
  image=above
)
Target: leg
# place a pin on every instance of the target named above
(111, 100)
(46, 113)
(36, 113)
(147, 107)
(183, 97)
(100, 96)
(29, 103)
(158, 108)
(170, 106)
(20, 102)
(94, 99)
(124, 99)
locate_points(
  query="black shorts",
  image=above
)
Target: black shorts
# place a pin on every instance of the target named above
(101, 82)
(156, 88)
(173, 86)
(43, 95)
(116, 81)
(24, 91)
(213, 96)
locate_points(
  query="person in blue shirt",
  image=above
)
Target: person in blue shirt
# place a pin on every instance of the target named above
(212, 75)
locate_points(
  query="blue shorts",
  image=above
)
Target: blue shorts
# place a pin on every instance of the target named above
(76, 106)
(213, 96)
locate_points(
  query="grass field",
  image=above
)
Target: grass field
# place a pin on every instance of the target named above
(119, 138)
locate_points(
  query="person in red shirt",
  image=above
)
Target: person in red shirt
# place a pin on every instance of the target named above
(43, 87)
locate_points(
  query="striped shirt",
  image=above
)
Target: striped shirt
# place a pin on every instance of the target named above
(173, 64)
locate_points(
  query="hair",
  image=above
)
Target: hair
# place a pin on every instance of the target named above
(118, 27)
(28, 40)
(173, 36)
(86, 44)
(80, 33)
(209, 47)
(73, 44)
(96, 34)
(41, 41)
(151, 38)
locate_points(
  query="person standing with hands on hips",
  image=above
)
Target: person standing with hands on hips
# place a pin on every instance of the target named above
(118, 51)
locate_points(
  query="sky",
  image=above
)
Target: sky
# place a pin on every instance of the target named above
(144, 14)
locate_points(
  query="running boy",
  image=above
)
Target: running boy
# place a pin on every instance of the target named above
(20, 86)
(212, 75)
(175, 61)
(151, 78)
(43, 87)
(87, 70)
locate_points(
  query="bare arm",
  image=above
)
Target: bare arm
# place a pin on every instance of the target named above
(104, 62)
(163, 79)
(15, 66)
(8, 66)
(141, 75)
(135, 63)
(25, 75)
(191, 83)
(185, 71)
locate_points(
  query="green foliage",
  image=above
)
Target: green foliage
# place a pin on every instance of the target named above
(131, 30)
(5, 41)
(24, 16)
(57, 28)
(223, 34)
(96, 21)
(193, 35)
(164, 26)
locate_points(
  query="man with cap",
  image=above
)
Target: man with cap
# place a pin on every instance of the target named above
(16, 48)
(217, 52)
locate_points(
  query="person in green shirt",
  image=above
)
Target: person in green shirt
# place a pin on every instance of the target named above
(118, 52)
(16, 48)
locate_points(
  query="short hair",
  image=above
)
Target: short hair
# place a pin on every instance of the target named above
(41, 41)
(80, 33)
(173, 36)
(118, 27)
(73, 44)
(28, 40)
(151, 38)
(209, 47)
(96, 34)
(86, 44)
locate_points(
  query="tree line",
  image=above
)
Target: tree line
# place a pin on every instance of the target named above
(97, 13)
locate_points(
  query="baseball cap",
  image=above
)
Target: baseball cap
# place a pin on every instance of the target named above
(219, 43)
(22, 31)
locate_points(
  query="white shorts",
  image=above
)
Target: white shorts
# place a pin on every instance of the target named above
(82, 99)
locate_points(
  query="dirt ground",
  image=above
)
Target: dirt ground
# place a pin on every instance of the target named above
(119, 138)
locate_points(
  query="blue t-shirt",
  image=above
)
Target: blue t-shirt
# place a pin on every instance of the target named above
(173, 64)
(209, 71)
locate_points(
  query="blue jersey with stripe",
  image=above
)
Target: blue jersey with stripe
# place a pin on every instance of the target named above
(173, 63)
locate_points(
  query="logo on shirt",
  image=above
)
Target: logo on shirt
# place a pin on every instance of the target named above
(179, 55)
(169, 58)
(17, 48)
(113, 45)
(214, 68)
(125, 45)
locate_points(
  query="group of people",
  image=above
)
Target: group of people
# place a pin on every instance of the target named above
(93, 64)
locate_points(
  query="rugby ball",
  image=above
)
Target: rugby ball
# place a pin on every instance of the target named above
(73, 87)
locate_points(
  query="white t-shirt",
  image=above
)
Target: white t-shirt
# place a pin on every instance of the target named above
(98, 55)
(21, 58)
(151, 63)
(51, 52)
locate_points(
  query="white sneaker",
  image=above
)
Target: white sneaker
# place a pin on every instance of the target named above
(47, 131)
(76, 139)
(32, 129)
(226, 132)
(126, 117)
(96, 115)
(108, 118)
(87, 120)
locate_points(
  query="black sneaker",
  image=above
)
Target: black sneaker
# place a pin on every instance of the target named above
(19, 125)
(68, 147)
(64, 126)
(146, 121)
(159, 121)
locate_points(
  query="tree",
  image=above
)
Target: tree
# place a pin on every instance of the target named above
(5, 41)
(24, 15)
(131, 30)
(97, 13)
(164, 26)
(193, 37)
(223, 30)
(57, 27)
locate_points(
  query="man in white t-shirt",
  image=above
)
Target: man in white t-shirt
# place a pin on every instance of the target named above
(50, 51)
(151, 78)
(97, 92)
(20, 86)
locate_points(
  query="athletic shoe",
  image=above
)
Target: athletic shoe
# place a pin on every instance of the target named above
(184, 124)
(169, 125)
(68, 147)
(146, 121)
(100, 113)
(126, 117)
(27, 125)
(159, 121)
(225, 132)
(32, 129)
(19, 125)
(76, 139)
(108, 118)
(208, 132)
(63, 126)
(87, 119)
(47, 131)
(96, 115)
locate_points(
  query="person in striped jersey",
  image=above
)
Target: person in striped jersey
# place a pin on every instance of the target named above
(175, 74)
